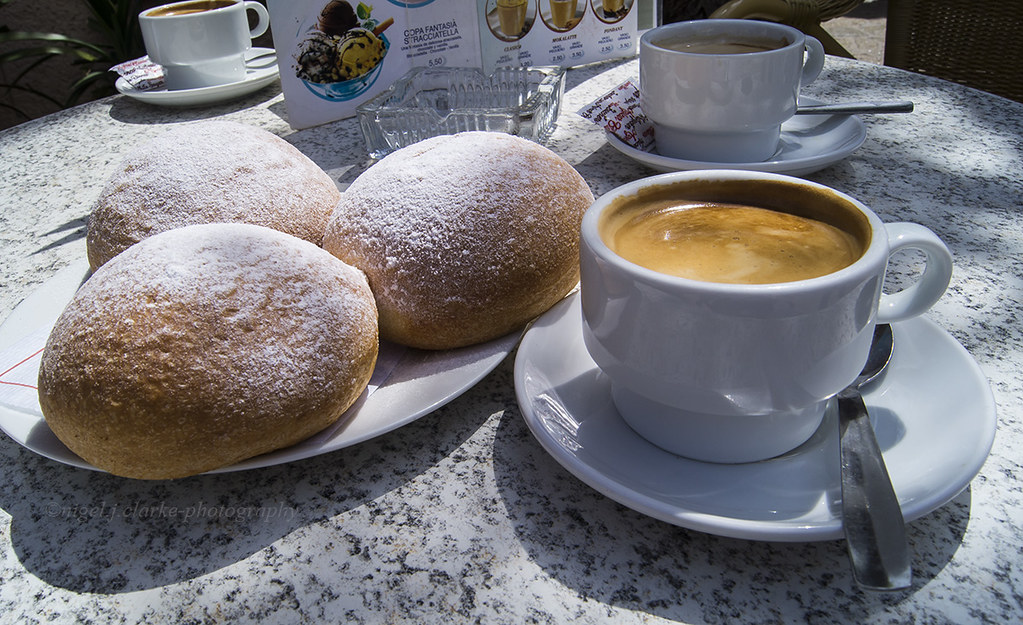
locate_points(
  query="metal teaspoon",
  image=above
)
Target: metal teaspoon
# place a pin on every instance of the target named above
(875, 531)
(855, 108)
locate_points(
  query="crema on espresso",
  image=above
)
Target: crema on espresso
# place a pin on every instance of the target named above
(187, 8)
(718, 45)
(728, 243)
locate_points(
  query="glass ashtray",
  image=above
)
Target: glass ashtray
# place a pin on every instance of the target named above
(427, 102)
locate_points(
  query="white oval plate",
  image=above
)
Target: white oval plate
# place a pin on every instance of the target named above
(420, 382)
(933, 409)
(808, 143)
(260, 71)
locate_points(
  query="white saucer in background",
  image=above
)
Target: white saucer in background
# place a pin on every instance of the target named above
(808, 143)
(260, 71)
(935, 422)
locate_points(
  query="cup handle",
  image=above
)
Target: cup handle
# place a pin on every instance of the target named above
(917, 298)
(263, 21)
(814, 60)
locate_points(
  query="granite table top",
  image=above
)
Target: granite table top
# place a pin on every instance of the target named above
(461, 516)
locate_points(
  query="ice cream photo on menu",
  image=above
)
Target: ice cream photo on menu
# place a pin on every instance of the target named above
(339, 57)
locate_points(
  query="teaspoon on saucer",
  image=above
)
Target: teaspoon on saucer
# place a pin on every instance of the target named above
(871, 516)
(855, 108)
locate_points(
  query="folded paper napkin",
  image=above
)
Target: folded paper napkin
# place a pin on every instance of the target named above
(618, 112)
(141, 74)
(19, 371)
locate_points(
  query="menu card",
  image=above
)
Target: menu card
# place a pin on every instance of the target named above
(336, 54)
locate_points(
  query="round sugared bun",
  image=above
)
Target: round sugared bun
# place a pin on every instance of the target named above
(210, 172)
(464, 238)
(205, 345)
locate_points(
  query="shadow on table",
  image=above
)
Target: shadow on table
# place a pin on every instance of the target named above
(130, 111)
(91, 532)
(609, 553)
(75, 230)
(965, 187)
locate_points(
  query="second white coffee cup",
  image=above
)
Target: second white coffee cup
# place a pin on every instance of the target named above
(718, 90)
(201, 43)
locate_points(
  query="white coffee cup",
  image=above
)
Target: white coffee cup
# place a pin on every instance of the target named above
(714, 106)
(741, 372)
(201, 43)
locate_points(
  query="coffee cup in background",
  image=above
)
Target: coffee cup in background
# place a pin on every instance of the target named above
(736, 361)
(201, 43)
(718, 90)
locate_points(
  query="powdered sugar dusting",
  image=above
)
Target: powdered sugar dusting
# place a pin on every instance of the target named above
(248, 323)
(436, 223)
(208, 172)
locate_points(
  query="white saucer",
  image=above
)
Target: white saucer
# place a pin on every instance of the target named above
(808, 143)
(420, 382)
(934, 415)
(260, 71)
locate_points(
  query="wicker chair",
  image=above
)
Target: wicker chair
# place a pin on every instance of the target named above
(806, 15)
(978, 43)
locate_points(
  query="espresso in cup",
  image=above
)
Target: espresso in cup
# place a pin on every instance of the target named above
(727, 242)
(721, 45)
(186, 8)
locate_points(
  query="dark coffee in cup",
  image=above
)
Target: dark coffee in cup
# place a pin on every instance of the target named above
(716, 236)
(186, 8)
(721, 45)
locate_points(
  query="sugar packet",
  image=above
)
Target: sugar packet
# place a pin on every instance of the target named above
(619, 113)
(141, 73)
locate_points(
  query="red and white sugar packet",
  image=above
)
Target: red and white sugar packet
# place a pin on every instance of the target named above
(141, 73)
(618, 112)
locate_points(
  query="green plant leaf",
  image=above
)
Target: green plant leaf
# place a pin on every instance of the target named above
(117, 21)
(18, 35)
(49, 51)
(28, 53)
(119, 39)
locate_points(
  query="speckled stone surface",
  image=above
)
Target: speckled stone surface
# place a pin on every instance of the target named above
(461, 516)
